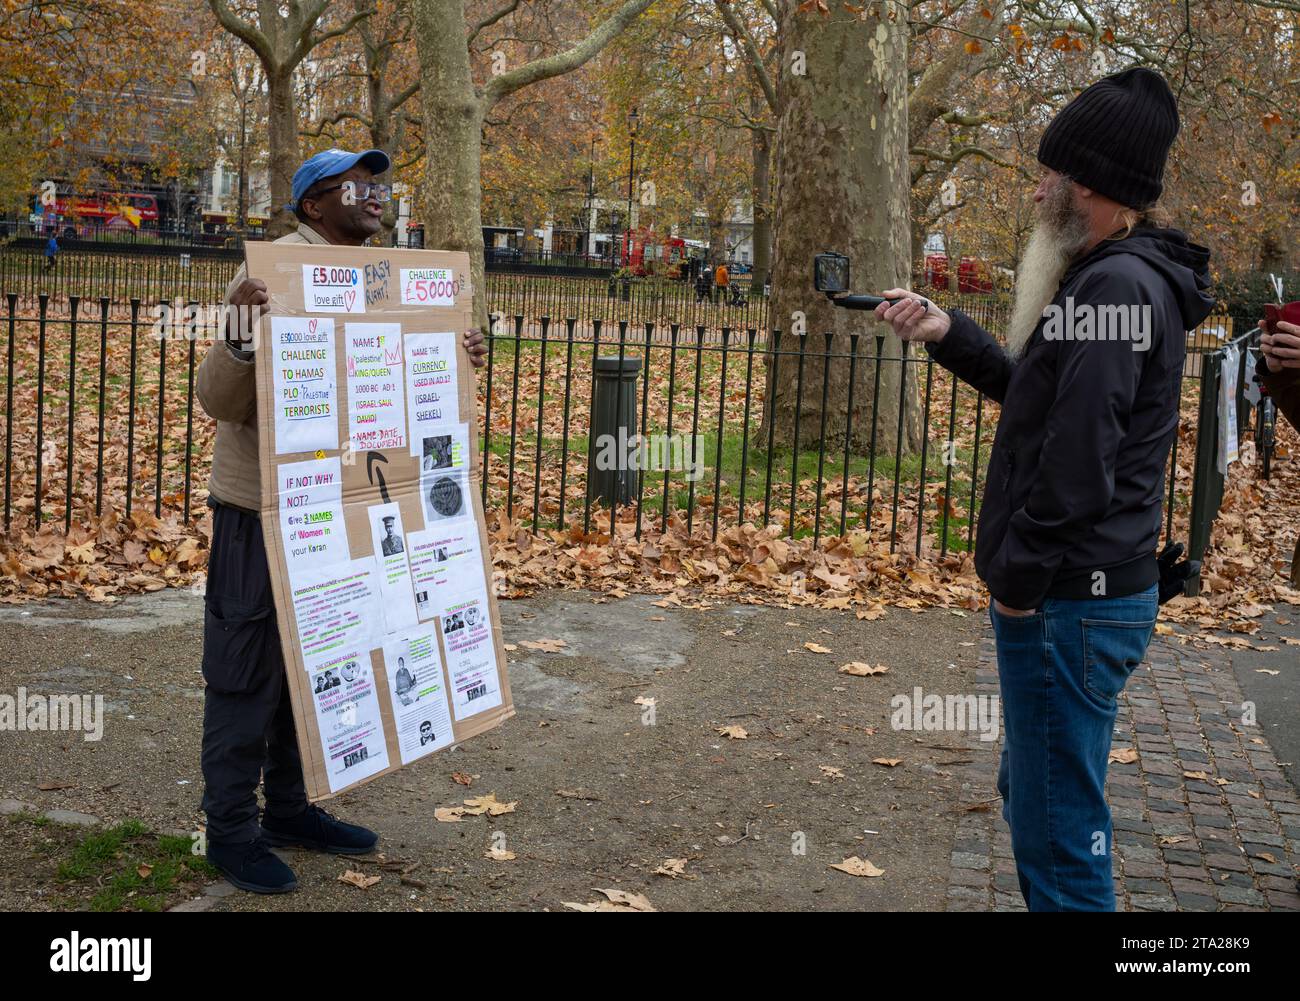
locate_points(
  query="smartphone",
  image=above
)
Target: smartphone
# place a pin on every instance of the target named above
(831, 273)
(1288, 313)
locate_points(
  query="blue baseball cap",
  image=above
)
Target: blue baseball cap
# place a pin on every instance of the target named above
(330, 163)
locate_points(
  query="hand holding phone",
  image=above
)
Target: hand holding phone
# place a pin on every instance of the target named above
(913, 317)
(1280, 342)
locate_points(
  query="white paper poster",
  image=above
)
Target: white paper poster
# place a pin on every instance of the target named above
(376, 400)
(471, 657)
(303, 384)
(419, 693)
(330, 289)
(427, 286)
(395, 592)
(431, 400)
(347, 715)
(443, 559)
(336, 610)
(311, 514)
(1228, 442)
(444, 475)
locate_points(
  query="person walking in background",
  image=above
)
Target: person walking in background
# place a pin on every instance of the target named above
(703, 284)
(51, 249)
(721, 279)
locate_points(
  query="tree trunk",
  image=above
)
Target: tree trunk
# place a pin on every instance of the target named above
(454, 112)
(953, 253)
(717, 210)
(282, 128)
(917, 226)
(453, 129)
(761, 151)
(842, 184)
(241, 199)
(383, 136)
(381, 128)
(1272, 251)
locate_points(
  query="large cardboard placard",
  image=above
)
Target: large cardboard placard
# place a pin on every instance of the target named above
(371, 507)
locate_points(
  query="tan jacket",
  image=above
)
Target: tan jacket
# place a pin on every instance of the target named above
(226, 390)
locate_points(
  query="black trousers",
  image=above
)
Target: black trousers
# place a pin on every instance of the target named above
(248, 728)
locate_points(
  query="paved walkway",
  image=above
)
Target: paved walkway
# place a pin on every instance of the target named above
(1181, 843)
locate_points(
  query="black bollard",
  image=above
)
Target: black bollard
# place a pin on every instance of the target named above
(613, 432)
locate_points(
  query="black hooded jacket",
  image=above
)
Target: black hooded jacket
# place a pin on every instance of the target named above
(1072, 501)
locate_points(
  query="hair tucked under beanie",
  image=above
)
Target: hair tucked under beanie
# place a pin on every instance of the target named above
(1115, 136)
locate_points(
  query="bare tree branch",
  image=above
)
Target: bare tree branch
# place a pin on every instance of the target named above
(244, 31)
(756, 64)
(566, 61)
(956, 155)
(490, 20)
(308, 41)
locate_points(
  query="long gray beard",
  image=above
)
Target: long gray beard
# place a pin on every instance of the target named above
(1057, 239)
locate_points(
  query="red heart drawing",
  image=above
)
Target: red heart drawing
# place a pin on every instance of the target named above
(349, 298)
(311, 326)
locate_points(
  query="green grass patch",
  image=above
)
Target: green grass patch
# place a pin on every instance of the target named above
(723, 470)
(125, 867)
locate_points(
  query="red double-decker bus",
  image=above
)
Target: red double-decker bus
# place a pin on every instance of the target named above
(972, 274)
(645, 252)
(106, 210)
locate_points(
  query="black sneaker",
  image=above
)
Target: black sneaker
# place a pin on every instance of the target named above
(319, 831)
(252, 866)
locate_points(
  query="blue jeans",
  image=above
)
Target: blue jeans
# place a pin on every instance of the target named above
(1061, 671)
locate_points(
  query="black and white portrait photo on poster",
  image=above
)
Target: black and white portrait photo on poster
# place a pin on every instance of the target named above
(391, 548)
(390, 540)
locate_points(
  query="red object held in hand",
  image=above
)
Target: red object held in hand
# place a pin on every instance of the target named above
(1290, 313)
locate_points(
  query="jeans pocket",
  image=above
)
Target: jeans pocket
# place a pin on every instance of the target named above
(1017, 631)
(1112, 650)
(234, 645)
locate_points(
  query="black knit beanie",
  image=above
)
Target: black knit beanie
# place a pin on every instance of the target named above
(1114, 137)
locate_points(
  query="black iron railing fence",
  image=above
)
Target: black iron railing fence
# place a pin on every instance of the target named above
(705, 389)
(1207, 494)
(198, 274)
(201, 274)
(203, 279)
(100, 413)
(637, 300)
(93, 269)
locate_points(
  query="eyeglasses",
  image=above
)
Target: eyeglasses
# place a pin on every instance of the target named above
(360, 191)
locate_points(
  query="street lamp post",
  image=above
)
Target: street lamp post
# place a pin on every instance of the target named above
(633, 120)
(591, 198)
